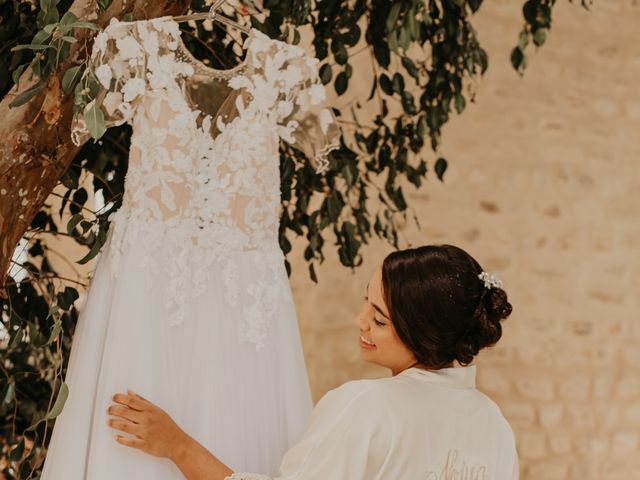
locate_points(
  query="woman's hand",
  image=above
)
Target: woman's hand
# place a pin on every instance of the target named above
(154, 431)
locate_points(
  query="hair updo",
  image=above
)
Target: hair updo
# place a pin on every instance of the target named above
(439, 307)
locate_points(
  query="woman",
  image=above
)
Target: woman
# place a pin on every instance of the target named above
(427, 310)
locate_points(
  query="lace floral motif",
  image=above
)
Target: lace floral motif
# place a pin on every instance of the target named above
(202, 187)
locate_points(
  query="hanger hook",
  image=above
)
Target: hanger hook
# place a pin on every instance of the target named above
(214, 9)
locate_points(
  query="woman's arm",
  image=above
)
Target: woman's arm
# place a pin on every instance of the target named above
(155, 433)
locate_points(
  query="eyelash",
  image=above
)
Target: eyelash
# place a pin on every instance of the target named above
(366, 299)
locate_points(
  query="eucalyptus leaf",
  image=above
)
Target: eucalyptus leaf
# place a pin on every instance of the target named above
(460, 103)
(16, 338)
(71, 77)
(9, 393)
(73, 222)
(87, 25)
(32, 46)
(27, 95)
(69, 18)
(17, 73)
(394, 14)
(17, 452)
(325, 73)
(94, 118)
(95, 249)
(341, 83)
(61, 399)
(539, 37)
(440, 168)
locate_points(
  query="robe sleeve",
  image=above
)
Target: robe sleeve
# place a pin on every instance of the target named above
(349, 438)
(112, 84)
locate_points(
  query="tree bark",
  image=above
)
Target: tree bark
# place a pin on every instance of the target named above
(35, 145)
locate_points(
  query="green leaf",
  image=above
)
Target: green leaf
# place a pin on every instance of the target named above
(69, 39)
(325, 73)
(408, 104)
(95, 248)
(341, 83)
(341, 55)
(68, 19)
(16, 338)
(386, 84)
(394, 14)
(523, 40)
(9, 393)
(70, 78)
(50, 28)
(66, 298)
(17, 73)
(87, 25)
(27, 95)
(539, 37)
(16, 453)
(312, 273)
(56, 410)
(55, 331)
(461, 103)
(410, 67)
(440, 168)
(423, 128)
(518, 60)
(73, 222)
(104, 4)
(382, 53)
(31, 46)
(398, 83)
(94, 118)
(41, 38)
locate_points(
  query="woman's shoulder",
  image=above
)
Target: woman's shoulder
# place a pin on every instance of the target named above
(357, 394)
(500, 422)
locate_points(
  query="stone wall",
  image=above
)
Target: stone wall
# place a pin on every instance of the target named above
(543, 189)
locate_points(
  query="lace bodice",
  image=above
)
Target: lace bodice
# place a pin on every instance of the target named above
(204, 161)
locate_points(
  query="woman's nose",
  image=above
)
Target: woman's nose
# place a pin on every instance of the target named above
(361, 319)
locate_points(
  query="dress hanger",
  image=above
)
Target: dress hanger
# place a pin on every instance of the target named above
(213, 15)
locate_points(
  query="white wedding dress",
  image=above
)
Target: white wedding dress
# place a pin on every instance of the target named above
(190, 304)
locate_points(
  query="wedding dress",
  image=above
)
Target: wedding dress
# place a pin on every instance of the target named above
(190, 304)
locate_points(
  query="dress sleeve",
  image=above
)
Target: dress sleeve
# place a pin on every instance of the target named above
(113, 82)
(305, 121)
(349, 438)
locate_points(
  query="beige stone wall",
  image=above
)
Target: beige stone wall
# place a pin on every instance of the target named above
(543, 189)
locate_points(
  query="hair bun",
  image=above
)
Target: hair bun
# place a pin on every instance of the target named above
(497, 305)
(486, 329)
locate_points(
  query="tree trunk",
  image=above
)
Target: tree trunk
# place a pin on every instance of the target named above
(36, 147)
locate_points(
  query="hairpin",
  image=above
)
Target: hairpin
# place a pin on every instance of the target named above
(490, 280)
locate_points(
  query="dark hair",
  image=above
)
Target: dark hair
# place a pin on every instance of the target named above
(439, 307)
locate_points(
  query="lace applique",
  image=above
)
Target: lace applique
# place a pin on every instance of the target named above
(203, 187)
(286, 86)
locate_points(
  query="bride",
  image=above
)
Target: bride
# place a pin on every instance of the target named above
(428, 312)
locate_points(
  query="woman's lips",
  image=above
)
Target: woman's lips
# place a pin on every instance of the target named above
(364, 343)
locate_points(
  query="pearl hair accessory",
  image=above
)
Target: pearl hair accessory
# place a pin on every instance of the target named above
(490, 280)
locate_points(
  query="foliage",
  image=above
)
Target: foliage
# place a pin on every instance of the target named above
(537, 16)
(422, 55)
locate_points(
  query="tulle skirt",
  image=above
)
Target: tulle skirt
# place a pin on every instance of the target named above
(246, 405)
